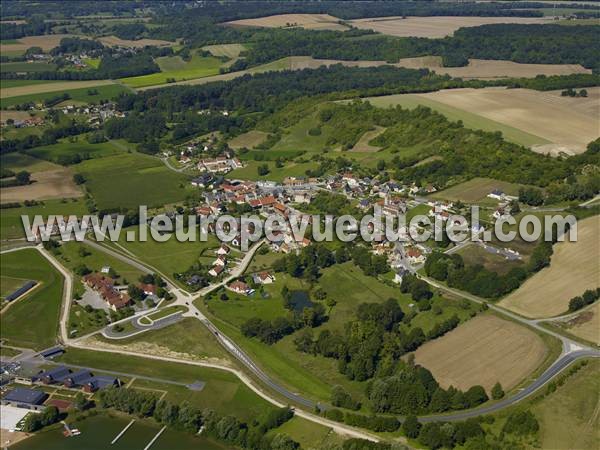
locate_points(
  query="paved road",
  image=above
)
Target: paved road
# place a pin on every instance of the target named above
(571, 350)
(550, 373)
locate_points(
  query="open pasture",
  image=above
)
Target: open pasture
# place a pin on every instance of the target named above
(433, 27)
(174, 67)
(469, 118)
(573, 269)
(20, 161)
(113, 41)
(11, 226)
(569, 418)
(483, 351)
(148, 181)
(248, 140)
(106, 90)
(308, 21)
(476, 190)
(43, 303)
(61, 87)
(542, 114)
(586, 324)
(56, 152)
(490, 69)
(26, 67)
(45, 42)
(229, 50)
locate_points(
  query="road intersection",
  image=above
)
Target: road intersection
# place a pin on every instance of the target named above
(571, 350)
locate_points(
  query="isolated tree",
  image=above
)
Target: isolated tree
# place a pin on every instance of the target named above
(497, 391)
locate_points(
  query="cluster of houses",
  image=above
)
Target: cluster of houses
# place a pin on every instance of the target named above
(34, 121)
(260, 278)
(220, 263)
(503, 211)
(105, 287)
(219, 165)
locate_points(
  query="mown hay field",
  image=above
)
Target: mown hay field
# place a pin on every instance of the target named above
(476, 190)
(113, 41)
(488, 69)
(483, 351)
(45, 42)
(433, 27)
(586, 324)
(544, 114)
(229, 50)
(573, 269)
(308, 21)
(60, 87)
(57, 183)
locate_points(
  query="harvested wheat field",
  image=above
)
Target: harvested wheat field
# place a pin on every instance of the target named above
(45, 42)
(113, 41)
(46, 185)
(573, 269)
(542, 114)
(308, 21)
(486, 69)
(433, 27)
(363, 143)
(586, 324)
(58, 86)
(483, 351)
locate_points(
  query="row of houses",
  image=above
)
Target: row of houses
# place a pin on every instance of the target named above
(242, 288)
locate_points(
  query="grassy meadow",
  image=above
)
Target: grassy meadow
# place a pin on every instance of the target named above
(176, 68)
(145, 180)
(43, 303)
(315, 375)
(105, 92)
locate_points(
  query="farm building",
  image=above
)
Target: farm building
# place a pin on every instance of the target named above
(56, 375)
(22, 290)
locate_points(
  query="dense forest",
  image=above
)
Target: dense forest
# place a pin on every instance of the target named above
(548, 44)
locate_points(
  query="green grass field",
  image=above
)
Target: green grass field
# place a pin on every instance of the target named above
(17, 83)
(82, 147)
(11, 225)
(470, 120)
(171, 256)
(476, 191)
(32, 321)
(229, 50)
(105, 92)
(309, 434)
(188, 336)
(223, 391)
(26, 67)
(145, 179)
(178, 69)
(315, 375)
(569, 416)
(290, 169)
(164, 312)
(22, 161)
